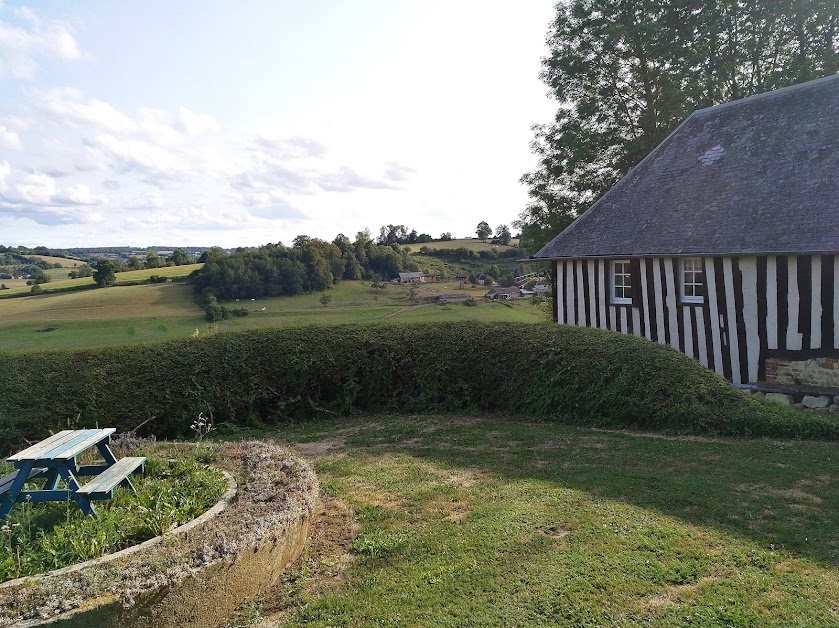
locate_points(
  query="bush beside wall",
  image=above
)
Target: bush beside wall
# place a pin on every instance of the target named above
(570, 374)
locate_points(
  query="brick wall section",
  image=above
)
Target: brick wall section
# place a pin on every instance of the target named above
(773, 365)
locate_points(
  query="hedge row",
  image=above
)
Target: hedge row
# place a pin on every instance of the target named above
(547, 371)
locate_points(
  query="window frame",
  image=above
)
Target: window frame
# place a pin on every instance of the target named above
(698, 268)
(626, 288)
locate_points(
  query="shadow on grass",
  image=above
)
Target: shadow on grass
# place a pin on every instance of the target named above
(778, 493)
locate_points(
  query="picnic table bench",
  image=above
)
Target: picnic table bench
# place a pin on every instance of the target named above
(56, 458)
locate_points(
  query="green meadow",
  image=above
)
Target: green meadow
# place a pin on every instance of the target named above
(130, 314)
(486, 521)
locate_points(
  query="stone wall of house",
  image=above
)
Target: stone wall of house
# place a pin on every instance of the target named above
(815, 371)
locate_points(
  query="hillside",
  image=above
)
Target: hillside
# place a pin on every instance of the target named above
(473, 244)
(60, 282)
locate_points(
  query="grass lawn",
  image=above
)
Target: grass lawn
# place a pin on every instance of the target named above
(451, 521)
(156, 312)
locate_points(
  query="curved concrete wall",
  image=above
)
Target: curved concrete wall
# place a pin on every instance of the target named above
(204, 598)
(196, 577)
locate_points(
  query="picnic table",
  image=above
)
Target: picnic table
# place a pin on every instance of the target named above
(56, 458)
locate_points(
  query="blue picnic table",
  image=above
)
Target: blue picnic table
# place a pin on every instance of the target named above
(56, 458)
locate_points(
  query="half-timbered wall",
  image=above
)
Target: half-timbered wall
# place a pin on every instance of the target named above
(753, 306)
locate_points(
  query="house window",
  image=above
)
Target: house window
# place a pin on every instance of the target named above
(621, 281)
(693, 280)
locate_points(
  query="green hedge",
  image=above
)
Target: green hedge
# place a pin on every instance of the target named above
(547, 371)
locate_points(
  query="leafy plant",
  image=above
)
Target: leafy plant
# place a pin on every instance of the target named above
(40, 537)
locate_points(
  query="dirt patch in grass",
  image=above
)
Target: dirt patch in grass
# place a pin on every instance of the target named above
(556, 532)
(321, 568)
(371, 496)
(466, 478)
(319, 447)
(677, 593)
(453, 509)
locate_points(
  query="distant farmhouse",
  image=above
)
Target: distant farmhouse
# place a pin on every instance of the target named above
(416, 278)
(723, 242)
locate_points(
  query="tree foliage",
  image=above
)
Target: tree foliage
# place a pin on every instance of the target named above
(310, 265)
(178, 257)
(153, 260)
(81, 271)
(626, 73)
(105, 274)
(483, 230)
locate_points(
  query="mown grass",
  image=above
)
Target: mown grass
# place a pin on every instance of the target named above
(156, 312)
(491, 522)
(35, 538)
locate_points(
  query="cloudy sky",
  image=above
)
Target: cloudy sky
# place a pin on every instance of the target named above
(240, 123)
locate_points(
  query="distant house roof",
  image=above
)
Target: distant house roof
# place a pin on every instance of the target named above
(751, 177)
(415, 275)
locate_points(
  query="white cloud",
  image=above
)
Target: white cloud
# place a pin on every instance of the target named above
(22, 45)
(5, 171)
(194, 124)
(38, 193)
(281, 168)
(153, 163)
(9, 138)
(66, 107)
(79, 194)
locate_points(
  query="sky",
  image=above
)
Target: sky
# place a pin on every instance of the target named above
(242, 123)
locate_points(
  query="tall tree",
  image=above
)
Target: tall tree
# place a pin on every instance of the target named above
(105, 273)
(153, 260)
(483, 230)
(502, 233)
(626, 73)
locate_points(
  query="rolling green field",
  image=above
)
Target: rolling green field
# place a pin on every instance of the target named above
(473, 244)
(60, 282)
(486, 521)
(147, 313)
(64, 261)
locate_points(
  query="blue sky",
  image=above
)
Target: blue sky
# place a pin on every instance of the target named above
(236, 124)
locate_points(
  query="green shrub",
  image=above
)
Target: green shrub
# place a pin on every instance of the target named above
(258, 377)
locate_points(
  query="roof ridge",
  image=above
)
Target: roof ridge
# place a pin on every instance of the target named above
(775, 93)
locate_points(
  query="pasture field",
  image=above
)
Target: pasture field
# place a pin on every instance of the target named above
(64, 261)
(473, 244)
(60, 282)
(172, 272)
(96, 318)
(486, 521)
(156, 312)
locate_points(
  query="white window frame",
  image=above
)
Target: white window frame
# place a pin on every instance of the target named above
(625, 283)
(689, 267)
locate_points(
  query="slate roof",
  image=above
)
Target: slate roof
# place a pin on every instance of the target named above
(750, 177)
